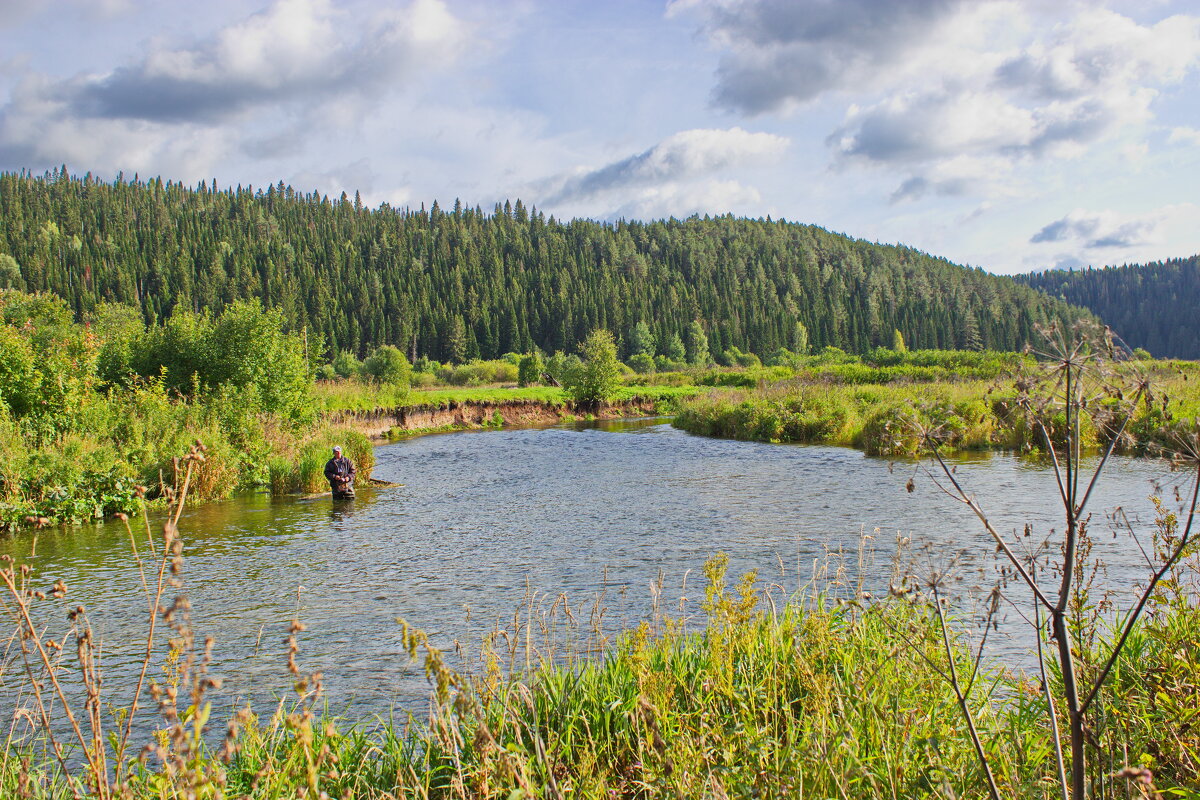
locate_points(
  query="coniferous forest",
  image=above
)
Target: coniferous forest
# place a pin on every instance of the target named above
(462, 283)
(1152, 306)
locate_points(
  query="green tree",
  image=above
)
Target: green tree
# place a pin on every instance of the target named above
(697, 345)
(345, 365)
(898, 342)
(18, 378)
(248, 347)
(642, 363)
(642, 340)
(121, 331)
(456, 341)
(596, 379)
(675, 349)
(388, 366)
(800, 339)
(529, 370)
(10, 273)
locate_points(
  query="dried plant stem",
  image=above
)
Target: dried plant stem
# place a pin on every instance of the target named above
(1049, 695)
(962, 699)
(155, 608)
(1136, 612)
(94, 758)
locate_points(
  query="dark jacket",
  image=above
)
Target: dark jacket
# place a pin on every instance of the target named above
(339, 471)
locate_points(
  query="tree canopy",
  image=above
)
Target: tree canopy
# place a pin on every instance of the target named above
(469, 284)
(1148, 305)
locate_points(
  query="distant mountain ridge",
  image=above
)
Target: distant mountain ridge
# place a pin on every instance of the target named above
(1152, 306)
(464, 283)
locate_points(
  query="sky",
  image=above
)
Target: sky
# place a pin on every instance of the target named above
(1012, 135)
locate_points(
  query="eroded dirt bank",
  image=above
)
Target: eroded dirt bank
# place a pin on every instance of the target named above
(380, 422)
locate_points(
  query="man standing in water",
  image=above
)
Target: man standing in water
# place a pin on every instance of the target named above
(339, 471)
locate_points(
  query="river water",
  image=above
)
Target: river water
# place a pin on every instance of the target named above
(485, 519)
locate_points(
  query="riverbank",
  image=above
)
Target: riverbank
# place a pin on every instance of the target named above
(132, 439)
(429, 415)
(889, 417)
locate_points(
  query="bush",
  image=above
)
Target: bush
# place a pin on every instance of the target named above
(529, 370)
(596, 379)
(388, 366)
(346, 365)
(641, 363)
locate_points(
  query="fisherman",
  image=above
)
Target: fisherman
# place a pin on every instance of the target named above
(339, 471)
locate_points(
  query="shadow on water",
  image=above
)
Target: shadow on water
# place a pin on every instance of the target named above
(579, 509)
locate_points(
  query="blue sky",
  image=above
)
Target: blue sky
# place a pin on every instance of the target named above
(1002, 134)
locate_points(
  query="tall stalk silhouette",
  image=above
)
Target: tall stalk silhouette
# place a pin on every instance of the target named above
(1077, 384)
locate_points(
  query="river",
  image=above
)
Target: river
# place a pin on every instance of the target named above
(486, 518)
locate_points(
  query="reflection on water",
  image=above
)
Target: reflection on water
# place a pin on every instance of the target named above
(483, 516)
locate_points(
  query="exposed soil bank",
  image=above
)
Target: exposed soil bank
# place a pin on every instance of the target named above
(382, 422)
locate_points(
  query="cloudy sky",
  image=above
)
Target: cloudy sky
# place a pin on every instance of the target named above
(1007, 134)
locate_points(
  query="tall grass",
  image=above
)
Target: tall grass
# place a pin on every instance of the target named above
(971, 415)
(873, 418)
(302, 467)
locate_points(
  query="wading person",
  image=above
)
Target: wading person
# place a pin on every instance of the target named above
(339, 471)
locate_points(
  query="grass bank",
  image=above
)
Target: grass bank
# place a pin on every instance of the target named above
(122, 446)
(888, 416)
(336, 396)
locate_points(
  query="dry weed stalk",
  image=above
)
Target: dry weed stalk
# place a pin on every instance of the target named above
(1077, 380)
(65, 713)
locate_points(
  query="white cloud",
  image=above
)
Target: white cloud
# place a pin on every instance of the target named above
(1093, 78)
(1109, 230)
(938, 81)
(1185, 136)
(258, 81)
(956, 177)
(684, 155)
(295, 50)
(779, 53)
(680, 201)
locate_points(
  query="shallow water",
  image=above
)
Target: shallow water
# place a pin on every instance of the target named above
(483, 518)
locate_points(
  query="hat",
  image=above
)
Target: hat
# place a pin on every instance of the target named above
(337, 448)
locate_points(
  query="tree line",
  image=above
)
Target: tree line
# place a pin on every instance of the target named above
(1148, 305)
(463, 283)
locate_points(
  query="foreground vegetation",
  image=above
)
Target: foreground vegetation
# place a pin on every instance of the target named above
(821, 693)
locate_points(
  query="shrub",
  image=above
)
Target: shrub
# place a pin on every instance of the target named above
(346, 365)
(596, 378)
(388, 366)
(529, 371)
(642, 363)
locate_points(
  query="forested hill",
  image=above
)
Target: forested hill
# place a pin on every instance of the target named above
(1149, 305)
(462, 283)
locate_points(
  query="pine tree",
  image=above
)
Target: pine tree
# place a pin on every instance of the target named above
(697, 345)
(799, 339)
(641, 340)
